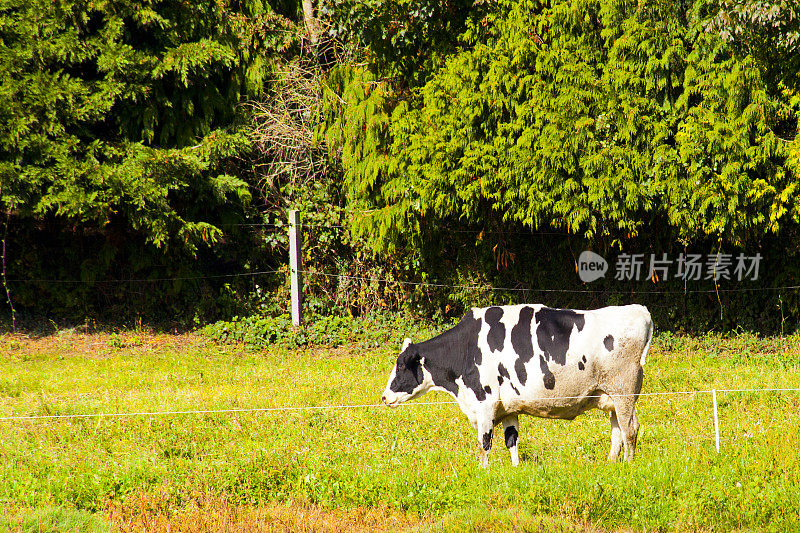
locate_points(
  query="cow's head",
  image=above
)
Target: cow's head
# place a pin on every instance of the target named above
(408, 378)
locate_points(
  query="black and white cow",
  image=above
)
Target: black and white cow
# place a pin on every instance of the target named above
(499, 362)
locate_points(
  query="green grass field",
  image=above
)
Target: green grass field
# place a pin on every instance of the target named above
(414, 467)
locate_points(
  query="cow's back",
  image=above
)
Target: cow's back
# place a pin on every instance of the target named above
(549, 362)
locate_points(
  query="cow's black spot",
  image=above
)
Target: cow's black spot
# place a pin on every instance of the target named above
(554, 327)
(581, 365)
(519, 368)
(497, 330)
(488, 389)
(547, 376)
(609, 342)
(511, 436)
(522, 342)
(487, 440)
(455, 354)
(583, 358)
(503, 374)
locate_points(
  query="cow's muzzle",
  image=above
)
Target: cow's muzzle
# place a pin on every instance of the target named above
(391, 399)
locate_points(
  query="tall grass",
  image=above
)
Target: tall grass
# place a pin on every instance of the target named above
(52, 520)
(421, 459)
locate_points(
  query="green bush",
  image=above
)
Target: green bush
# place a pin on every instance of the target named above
(602, 118)
(374, 330)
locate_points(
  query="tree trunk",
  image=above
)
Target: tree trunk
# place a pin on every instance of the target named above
(310, 21)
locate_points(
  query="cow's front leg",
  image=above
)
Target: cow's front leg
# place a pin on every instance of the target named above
(511, 433)
(485, 433)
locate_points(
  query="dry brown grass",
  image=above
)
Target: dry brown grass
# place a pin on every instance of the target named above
(148, 513)
(100, 345)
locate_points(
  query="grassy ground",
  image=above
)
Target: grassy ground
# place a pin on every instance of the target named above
(376, 468)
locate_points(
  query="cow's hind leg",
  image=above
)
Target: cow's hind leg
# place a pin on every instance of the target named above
(616, 437)
(628, 424)
(511, 433)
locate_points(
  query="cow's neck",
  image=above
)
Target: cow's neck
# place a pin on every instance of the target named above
(452, 354)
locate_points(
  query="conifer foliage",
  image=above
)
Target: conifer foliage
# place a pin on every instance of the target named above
(599, 117)
(162, 140)
(124, 109)
(120, 142)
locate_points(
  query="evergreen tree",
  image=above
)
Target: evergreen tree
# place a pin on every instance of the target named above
(125, 109)
(118, 118)
(599, 117)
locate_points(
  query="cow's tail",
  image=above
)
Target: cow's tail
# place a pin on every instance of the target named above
(649, 325)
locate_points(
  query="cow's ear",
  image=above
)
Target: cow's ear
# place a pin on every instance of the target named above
(406, 344)
(419, 362)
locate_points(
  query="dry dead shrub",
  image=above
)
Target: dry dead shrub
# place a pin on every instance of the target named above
(282, 129)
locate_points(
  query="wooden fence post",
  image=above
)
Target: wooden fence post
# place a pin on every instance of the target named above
(294, 267)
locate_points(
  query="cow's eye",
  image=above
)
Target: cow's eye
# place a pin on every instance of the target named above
(401, 367)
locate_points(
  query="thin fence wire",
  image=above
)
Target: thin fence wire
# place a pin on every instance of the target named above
(147, 280)
(361, 406)
(281, 225)
(530, 289)
(414, 283)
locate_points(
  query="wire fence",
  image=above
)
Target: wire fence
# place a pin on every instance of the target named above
(531, 289)
(365, 406)
(374, 280)
(100, 416)
(388, 281)
(280, 225)
(149, 280)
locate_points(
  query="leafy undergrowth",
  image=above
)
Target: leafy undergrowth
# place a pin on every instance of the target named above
(372, 331)
(413, 467)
